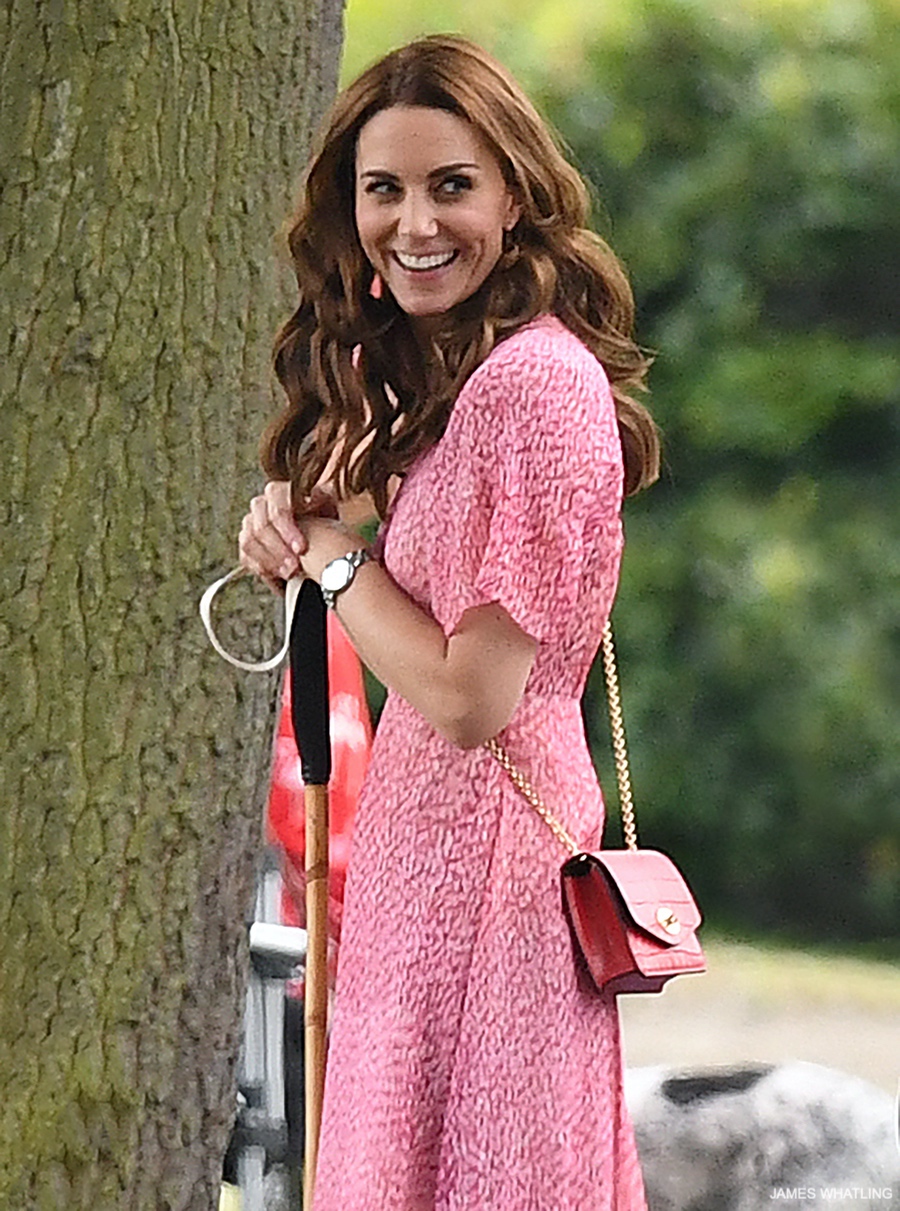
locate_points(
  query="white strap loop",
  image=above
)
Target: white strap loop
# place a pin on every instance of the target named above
(291, 591)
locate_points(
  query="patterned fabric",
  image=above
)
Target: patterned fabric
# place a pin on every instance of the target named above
(472, 1067)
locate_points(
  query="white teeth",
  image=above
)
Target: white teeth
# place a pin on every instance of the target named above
(435, 261)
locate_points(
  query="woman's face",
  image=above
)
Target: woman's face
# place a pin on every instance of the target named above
(431, 206)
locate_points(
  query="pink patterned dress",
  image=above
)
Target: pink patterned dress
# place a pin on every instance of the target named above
(471, 1067)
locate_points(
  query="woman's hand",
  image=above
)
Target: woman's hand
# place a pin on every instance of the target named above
(271, 542)
(466, 685)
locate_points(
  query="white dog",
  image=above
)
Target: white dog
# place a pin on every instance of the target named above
(764, 1137)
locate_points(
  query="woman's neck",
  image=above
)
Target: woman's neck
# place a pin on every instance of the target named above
(424, 328)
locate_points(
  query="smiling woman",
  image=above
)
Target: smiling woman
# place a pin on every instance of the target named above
(461, 329)
(359, 351)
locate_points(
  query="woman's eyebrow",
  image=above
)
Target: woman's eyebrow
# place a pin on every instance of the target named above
(439, 172)
(435, 172)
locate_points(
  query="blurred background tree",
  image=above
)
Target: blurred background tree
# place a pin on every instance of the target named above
(745, 165)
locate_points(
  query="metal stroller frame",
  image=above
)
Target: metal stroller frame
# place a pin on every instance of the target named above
(265, 1154)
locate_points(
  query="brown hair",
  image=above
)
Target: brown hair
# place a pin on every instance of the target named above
(349, 363)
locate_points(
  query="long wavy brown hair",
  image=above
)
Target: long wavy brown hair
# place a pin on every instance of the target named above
(363, 400)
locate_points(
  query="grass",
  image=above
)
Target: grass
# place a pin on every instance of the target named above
(777, 974)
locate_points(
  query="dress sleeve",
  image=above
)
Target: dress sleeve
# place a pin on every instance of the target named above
(538, 469)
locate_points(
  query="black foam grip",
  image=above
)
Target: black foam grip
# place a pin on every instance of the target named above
(309, 685)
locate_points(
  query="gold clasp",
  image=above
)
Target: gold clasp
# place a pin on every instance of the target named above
(668, 920)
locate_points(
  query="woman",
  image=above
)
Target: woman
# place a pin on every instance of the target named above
(459, 328)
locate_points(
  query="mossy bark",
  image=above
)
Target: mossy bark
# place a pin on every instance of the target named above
(148, 155)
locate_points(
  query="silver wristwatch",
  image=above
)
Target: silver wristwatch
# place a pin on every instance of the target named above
(338, 575)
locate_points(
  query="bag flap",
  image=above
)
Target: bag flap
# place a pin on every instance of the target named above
(653, 890)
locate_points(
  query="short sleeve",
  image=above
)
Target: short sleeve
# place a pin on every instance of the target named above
(537, 462)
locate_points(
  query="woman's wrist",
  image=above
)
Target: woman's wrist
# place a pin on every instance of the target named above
(327, 540)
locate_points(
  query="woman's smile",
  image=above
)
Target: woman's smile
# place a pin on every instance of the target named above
(425, 263)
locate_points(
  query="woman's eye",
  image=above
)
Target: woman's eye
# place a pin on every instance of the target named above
(455, 185)
(381, 188)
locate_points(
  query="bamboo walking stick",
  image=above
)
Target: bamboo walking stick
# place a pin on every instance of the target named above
(308, 645)
(309, 687)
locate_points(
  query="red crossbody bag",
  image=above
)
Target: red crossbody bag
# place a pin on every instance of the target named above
(631, 912)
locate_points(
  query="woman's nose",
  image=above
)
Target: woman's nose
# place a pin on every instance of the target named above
(417, 217)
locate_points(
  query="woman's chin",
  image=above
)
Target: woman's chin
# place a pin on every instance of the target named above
(422, 303)
(421, 306)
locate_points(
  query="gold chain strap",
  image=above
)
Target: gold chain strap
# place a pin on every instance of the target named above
(620, 752)
(532, 796)
(617, 728)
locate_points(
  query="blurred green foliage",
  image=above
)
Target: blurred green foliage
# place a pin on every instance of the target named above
(746, 169)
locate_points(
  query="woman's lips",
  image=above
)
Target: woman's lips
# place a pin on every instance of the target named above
(428, 264)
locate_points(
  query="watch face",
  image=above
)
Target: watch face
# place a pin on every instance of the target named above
(336, 575)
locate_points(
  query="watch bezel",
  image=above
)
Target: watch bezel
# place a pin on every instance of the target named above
(342, 565)
(346, 566)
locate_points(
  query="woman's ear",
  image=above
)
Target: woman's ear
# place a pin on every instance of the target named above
(513, 212)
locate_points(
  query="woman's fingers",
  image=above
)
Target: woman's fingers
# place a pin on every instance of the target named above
(271, 542)
(277, 498)
(260, 560)
(263, 547)
(265, 532)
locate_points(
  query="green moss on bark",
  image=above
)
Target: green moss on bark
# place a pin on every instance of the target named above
(149, 154)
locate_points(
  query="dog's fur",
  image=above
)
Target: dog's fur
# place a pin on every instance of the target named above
(764, 1136)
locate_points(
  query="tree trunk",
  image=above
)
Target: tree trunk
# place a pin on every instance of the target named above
(148, 154)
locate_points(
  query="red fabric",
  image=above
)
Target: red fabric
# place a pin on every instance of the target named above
(351, 740)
